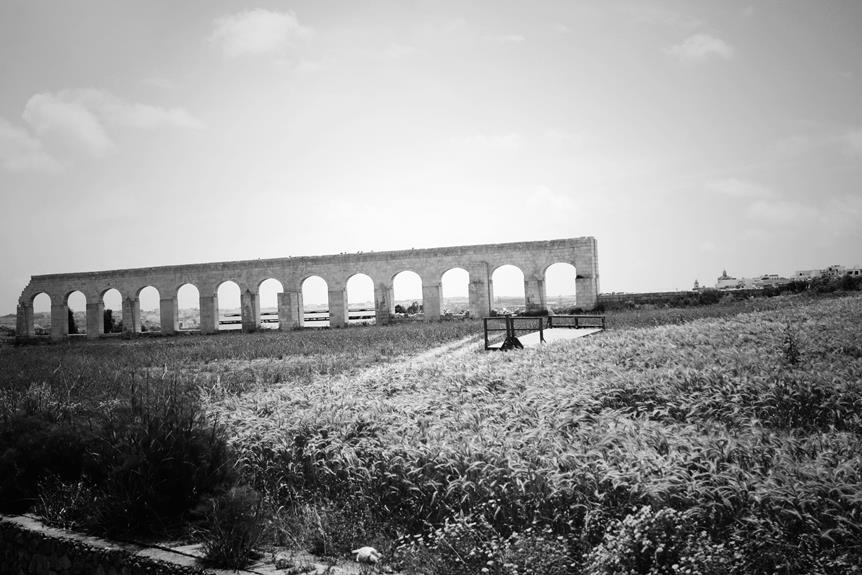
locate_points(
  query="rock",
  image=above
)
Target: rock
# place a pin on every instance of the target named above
(367, 555)
(283, 560)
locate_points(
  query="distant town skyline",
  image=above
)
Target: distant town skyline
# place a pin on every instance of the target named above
(685, 136)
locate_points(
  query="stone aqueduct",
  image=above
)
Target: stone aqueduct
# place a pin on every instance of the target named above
(480, 261)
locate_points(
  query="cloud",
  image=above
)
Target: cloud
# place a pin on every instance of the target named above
(782, 212)
(257, 32)
(852, 140)
(542, 197)
(510, 141)
(398, 51)
(646, 14)
(21, 152)
(83, 118)
(701, 47)
(58, 115)
(511, 39)
(734, 188)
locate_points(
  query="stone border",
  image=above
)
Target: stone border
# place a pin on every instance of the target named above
(29, 547)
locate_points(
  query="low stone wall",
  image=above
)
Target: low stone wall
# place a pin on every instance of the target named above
(28, 547)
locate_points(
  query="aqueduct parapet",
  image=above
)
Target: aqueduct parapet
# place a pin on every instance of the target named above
(480, 261)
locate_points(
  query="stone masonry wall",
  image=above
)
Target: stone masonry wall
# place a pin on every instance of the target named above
(27, 547)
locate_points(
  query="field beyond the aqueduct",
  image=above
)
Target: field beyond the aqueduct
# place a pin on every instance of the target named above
(720, 439)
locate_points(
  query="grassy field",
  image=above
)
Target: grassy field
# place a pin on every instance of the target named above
(717, 439)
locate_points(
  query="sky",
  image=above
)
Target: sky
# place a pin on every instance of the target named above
(687, 137)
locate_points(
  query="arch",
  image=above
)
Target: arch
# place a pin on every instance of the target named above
(148, 302)
(407, 293)
(455, 291)
(360, 299)
(315, 301)
(112, 314)
(188, 307)
(507, 290)
(41, 316)
(267, 293)
(76, 303)
(229, 306)
(560, 291)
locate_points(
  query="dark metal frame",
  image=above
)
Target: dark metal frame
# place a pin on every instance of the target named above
(512, 325)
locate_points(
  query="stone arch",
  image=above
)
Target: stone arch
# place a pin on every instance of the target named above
(314, 291)
(560, 286)
(227, 305)
(147, 310)
(359, 295)
(507, 289)
(76, 301)
(187, 300)
(455, 291)
(38, 322)
(407, 291)
(111, 300)
(270, 293)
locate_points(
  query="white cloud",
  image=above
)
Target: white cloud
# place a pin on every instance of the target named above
(542, 197)
(510, 141)
(701, 47)
(397, 51)
(21, 152)
(257, 32)
(646, 14)
(853, 142)
(511, 39)
(82, 118)
(782, 213)
(57, 115)
(734, 188)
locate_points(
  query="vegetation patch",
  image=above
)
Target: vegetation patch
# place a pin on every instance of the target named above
(717, 439)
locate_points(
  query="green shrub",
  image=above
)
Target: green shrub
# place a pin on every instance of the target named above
(233, 527)
(661, 542)
(154, 459)
(33, 449)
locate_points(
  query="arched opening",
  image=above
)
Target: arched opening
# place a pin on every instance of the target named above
(188, 307)
(360, 300)
(407, 294)
(42, 314)
(560, 287)
(77, 316)
(507, 290)
(149, 305)
(455, 288)
(315, 302)
(267, 300)
(112, 316)
(229, 306)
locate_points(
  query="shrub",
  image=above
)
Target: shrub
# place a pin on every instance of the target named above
(154, 459)
(32, 449)
(661, 542)
(234, 526)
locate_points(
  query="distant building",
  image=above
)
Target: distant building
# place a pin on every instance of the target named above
(725, 281)
(803, 275)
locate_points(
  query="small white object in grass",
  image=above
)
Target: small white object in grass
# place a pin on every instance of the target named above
(367, 555)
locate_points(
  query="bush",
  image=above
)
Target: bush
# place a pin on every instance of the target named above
(661, 542)
(154, 459)
(136, 467)
(234, 526)
(33, 449)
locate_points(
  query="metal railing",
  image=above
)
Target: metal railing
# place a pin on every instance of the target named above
(513, 325)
